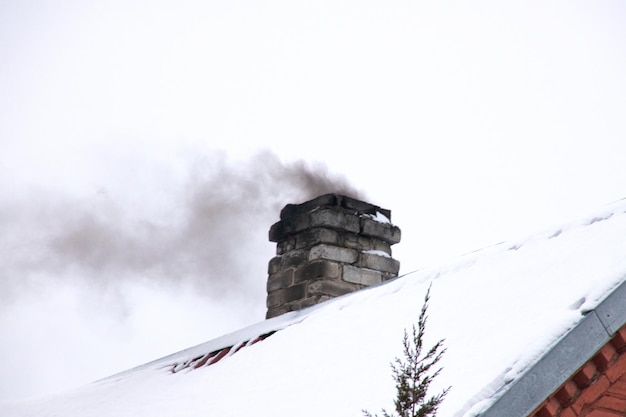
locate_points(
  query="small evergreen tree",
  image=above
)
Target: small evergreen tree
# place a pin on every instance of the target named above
(414, 372)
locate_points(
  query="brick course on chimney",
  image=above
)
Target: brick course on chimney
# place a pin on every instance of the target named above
(327, 247)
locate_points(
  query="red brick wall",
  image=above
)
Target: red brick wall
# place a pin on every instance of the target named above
(597, 389)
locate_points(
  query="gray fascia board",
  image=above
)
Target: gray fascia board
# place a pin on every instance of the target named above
(570, 353)
(612, 310)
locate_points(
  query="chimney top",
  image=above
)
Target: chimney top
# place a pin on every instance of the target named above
(333, 200)
(327, 247)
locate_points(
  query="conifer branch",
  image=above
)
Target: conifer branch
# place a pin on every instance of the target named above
(414, 372)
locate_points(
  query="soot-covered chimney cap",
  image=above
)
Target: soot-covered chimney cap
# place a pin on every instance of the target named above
(332, 200)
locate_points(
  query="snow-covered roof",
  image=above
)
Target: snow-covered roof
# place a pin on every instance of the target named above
(503, 311)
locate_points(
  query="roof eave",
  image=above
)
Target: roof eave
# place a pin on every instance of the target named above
(568, 355)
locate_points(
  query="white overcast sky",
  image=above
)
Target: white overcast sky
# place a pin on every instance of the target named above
(147, 146)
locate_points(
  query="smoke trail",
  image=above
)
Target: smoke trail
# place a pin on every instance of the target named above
(213, 237)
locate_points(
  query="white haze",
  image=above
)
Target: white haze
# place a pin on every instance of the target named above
(146, 148)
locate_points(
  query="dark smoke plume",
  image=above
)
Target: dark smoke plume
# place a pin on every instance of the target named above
(215, 238)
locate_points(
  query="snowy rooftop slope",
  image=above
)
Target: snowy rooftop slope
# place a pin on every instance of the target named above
(499, 309)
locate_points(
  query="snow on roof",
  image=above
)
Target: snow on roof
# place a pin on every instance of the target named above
(500, 311)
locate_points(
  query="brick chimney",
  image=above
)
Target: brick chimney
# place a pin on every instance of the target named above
(327, 247)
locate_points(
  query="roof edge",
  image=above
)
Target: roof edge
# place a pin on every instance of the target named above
(568, 355)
